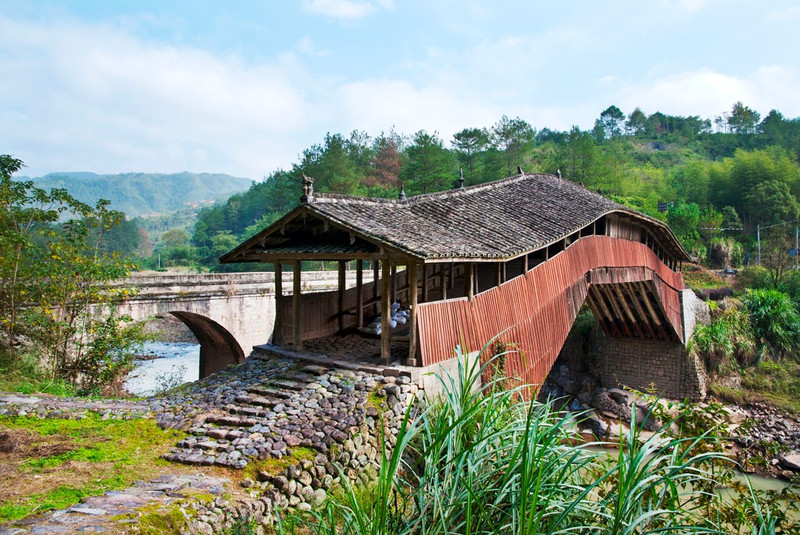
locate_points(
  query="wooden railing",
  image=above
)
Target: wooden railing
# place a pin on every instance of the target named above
(536, 310)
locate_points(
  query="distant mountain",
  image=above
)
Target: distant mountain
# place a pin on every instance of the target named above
(146, 194)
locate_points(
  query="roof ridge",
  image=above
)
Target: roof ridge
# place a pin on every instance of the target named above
(423, 197)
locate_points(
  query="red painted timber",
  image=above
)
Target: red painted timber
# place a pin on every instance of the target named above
(536, 310)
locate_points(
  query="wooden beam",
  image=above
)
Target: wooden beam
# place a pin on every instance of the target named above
(412, 304)
(394, 283)
(341, 287)
(386, 340)
(623, 302)
(469, 280)
(376, 277)
(425, 282)
(443, 282)
(277, 333)
(617, 314)
(359, 293)
(297, 317)
(608, 326)
(634, 295)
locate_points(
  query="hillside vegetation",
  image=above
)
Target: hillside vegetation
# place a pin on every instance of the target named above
(146, 194)
(715, 182)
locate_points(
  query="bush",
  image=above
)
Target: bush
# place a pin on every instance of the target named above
(775, 320)
(754, 277)
(727, 341)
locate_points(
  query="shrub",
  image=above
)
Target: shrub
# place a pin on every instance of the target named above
(774, 319)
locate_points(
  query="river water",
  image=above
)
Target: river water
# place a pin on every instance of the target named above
(175, 364)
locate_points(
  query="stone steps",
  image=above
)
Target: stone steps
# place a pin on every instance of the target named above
(231, 421)
(256, 401)
(265, 392)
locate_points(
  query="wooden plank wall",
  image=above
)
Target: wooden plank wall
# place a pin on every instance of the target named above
(536, 311)
(320, 309)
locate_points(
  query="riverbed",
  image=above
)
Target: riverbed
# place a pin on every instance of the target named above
(175, 363)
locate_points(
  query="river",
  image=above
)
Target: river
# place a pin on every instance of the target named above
(174, 364)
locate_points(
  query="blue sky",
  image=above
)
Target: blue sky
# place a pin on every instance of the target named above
(159, 86)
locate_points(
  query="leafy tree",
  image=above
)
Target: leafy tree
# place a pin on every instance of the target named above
(683, 219)
(775, 320)
(578, 157)
(385, 165)
(771, 202)
(175, 238)
(694, 181)
(54, 279)
(430, 166)
(612, 120)
(730, 219)
(743, 120)
(513, 137)
(469, 143)
(636, 124)
(332, 165)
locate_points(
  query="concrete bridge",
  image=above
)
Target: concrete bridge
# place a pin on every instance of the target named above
(228, 313)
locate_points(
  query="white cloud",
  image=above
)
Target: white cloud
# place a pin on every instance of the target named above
(706, 92)
(379, 104)
(306, 45)
(346, 9)
(92, 94)
(690, 6)
(789, 14)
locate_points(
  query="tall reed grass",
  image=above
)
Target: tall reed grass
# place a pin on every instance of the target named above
(482, 461)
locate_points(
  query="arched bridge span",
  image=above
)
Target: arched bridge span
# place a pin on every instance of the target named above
(631, 291)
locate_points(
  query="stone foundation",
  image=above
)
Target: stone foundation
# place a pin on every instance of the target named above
(667, 369)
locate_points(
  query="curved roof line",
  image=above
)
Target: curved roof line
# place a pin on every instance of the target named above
(491, 221)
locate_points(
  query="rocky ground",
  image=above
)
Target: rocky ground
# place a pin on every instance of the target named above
(292, 429)
(766, 439)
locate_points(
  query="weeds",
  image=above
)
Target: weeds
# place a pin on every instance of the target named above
(478, 463)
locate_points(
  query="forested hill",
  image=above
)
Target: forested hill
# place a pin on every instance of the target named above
(146, 194)
(719, 179)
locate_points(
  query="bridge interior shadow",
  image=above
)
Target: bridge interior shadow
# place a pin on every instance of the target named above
(218, 347)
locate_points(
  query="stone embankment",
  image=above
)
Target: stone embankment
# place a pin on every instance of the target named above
(755, 429)
(296, 429)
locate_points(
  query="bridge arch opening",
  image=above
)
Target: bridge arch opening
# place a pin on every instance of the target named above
(218, 347)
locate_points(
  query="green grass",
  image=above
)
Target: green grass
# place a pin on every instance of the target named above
(700, 278)
(22, 374)
(777, 383)
(111, 454)
(275, 467)
(477, 463)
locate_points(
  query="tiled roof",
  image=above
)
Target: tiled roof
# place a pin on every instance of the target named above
(499, 219)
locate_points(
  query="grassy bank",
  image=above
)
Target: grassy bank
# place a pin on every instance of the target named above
(49, 464)
(490, 464)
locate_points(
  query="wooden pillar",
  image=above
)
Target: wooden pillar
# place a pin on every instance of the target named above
(375, 286)
(452, 275)
(499, 274)
(412, 303)
(386, 305)
(277, 333)
(394, 283)
(425, 285)
(297, 323)
(469, 280)
(359, 293)
(342, 286)
(525, 263)
(443, 282)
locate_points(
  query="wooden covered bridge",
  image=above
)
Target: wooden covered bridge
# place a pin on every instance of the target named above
(518, 257)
